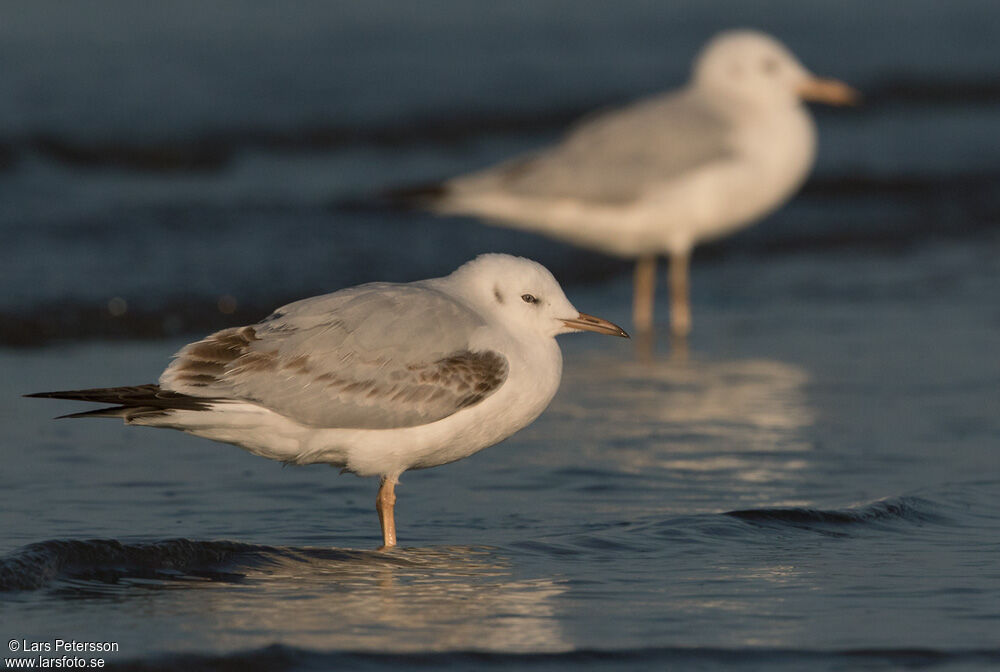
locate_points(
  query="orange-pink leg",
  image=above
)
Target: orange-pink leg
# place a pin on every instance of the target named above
(643, 295)
(680, 303)
(384, 504)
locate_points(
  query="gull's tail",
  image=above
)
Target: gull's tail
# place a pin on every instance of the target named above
(131, 402)
(415, 195)
(406, 198)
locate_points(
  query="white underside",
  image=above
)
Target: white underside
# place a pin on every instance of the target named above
(533, 378)
(775, 152)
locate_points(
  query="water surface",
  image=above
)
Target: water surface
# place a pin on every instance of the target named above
(814, 487)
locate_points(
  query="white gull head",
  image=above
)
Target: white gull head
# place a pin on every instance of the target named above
(523, 296)
(755, 68)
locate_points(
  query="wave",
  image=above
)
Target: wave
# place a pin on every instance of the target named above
(285, 658)
(84, 319)
(108, 561)
(915, 89)
(212, 150)
(885, 512)
(39, 565)
(744, 526)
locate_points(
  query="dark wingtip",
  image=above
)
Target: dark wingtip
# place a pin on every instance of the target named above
(394, 199)
(414, 196)
(110, 412)
(58, 394)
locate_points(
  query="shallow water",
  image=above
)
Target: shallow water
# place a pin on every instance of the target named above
(833, 509)
(815, 486)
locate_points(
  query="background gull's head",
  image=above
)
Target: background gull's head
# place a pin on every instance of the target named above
(758, 69)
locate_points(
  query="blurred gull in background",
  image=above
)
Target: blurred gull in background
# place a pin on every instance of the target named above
(375, 379)
(667, 172)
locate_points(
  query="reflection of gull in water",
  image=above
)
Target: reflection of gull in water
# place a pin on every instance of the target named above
(429, 599)
(762, 396)
(739, 423)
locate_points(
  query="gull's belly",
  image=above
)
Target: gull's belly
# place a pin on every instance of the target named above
(777, 158)
(531, 384)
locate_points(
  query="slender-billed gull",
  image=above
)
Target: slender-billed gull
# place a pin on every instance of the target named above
(375, 379)
(666, 172)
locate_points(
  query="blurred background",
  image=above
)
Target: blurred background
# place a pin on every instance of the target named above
(165, 165)
(816, 488)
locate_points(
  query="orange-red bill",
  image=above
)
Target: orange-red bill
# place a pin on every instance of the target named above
(830, 91)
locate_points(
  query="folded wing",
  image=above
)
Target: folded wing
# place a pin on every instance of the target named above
(377, 356)
(616, 156)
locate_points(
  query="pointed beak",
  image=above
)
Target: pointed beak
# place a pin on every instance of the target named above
(584, 322)
(831, 91)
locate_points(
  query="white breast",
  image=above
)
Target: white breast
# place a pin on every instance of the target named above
(775, 153)
(532, 381)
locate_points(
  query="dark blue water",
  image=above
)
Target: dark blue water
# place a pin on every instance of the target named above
(816, 487)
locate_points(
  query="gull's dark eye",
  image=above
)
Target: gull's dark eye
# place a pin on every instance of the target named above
(529, 298)
(770, 65)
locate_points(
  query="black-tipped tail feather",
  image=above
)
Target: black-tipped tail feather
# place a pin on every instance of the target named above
(131, 402)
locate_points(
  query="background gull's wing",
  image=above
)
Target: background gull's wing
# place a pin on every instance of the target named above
(615, 156)
(378, 356)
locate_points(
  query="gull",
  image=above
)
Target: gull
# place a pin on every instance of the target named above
(376, 379)
(665, 173)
